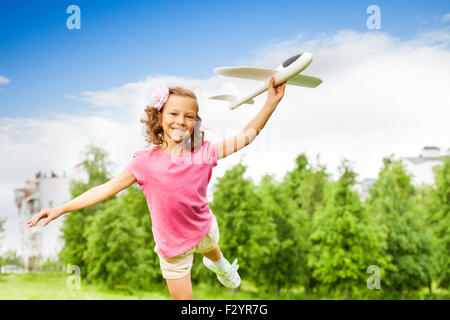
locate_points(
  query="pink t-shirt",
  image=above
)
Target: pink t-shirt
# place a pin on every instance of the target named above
(175, 188)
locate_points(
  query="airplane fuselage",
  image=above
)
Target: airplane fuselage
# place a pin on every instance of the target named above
(285, 71)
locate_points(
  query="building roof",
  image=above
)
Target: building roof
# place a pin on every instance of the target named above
(420, 159)
(431, 148)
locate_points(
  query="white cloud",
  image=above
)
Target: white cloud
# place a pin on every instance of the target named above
(446, 17)
(4, 80)
(70, 96)
(380, 95)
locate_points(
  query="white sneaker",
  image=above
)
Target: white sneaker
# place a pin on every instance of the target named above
(230, 278)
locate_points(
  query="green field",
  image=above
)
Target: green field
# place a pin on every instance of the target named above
(53, 286)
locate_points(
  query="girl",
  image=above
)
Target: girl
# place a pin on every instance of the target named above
(174, 176)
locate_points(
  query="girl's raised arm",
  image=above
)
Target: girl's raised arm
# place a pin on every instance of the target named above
(92, 196)
(252, 129)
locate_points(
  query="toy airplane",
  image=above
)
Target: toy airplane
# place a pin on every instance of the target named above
(289, 70)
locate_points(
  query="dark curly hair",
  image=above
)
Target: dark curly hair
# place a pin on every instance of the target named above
(154, 131)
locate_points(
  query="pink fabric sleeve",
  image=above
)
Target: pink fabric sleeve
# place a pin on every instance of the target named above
(135, 166)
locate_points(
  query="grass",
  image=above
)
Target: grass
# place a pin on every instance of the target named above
(53, 286)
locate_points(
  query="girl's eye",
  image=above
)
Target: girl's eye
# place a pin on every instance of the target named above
(174, 114)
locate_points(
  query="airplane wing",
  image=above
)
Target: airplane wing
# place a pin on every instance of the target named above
(304, 81)
(251, 73)
(230, 98)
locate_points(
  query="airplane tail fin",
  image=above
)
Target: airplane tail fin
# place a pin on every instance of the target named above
(231, 99)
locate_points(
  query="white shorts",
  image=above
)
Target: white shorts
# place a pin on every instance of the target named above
(180, 266)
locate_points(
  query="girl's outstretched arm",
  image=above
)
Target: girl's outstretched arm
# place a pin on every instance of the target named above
(252, 129)
(92, 196)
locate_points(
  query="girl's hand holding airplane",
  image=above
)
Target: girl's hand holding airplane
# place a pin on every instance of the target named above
(275, 94)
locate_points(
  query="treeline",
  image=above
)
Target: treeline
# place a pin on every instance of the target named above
(306, 232)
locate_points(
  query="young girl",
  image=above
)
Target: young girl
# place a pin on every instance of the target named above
(174, 176)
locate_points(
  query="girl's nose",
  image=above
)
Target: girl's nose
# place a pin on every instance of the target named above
(180, 121)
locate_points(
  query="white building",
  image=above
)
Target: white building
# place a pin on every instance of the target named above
(421, 167)
(42, 192)
(11, 269)
(363, 187)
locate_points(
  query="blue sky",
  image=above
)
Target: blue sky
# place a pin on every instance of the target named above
(125, 41)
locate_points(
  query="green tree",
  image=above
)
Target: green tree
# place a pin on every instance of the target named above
(304, 186)
(426, 205)
(392, 202)
(96, 165)
(280, 268)
(11, 257)
(345, 240)
(442, 218)
(435, 201)
(120, 244)
(245, 231)
(51, 265)
(34, 262)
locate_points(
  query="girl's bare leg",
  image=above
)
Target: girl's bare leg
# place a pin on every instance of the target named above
(180, 289)
(213, 255)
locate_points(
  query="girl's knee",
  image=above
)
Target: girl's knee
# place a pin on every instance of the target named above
(213, 254)
(180, 289)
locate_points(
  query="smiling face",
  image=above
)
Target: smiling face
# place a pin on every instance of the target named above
(178, 118)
